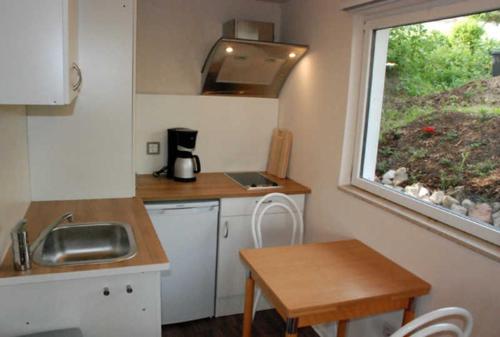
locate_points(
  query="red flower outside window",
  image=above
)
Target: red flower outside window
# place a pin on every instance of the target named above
(429, 130)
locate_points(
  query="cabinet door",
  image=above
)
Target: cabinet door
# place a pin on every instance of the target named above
(83, 303)
(73, 77)
(235, 234)
(38, 51)
(122, 314)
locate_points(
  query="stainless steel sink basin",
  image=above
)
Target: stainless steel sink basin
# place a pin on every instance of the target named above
(86, 243)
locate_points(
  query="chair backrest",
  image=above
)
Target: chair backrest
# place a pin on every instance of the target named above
(266, 204)
(420, 327)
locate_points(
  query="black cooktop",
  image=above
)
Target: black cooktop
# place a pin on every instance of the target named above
(252, 180)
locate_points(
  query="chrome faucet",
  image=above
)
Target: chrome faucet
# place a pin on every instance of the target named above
(21, 249)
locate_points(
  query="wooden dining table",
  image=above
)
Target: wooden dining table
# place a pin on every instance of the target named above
(324, 282)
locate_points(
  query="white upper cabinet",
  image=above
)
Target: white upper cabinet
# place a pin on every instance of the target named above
(38, 52)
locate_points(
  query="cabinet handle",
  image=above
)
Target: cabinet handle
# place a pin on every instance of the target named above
(78, 83)
(129, 289)
(226, 229)
(106, 291)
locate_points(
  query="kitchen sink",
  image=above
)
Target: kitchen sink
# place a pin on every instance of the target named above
(86, 243)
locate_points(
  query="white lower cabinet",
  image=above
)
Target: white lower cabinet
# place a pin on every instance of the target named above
(235, 233)
(130, 309)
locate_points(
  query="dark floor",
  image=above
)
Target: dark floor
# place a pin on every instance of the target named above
(266, 324)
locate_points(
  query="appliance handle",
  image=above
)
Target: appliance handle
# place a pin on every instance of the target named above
(182, 211)
(76, 86)
(180, 205)
(226, 229)
(198, 164)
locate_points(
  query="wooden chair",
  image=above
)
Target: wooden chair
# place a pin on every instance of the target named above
(422, 327)
(267, 203)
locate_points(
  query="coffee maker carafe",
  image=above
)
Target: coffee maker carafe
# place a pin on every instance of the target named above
(186, 165)
(181, 163)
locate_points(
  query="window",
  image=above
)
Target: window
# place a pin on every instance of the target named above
(429, 132)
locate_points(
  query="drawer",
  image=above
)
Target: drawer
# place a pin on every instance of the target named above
(245, 206)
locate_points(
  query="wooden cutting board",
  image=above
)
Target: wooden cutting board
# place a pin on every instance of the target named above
(279, 154)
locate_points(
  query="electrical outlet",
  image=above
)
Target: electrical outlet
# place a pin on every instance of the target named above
(153, 148)
(387, 329)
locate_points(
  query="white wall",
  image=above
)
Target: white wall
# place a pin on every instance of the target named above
(14, 171)
(313, 106)
(85, 150)
(175, 36)
(173, 39)
(234, 133)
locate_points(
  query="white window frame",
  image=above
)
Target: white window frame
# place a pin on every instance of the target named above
(391, 14)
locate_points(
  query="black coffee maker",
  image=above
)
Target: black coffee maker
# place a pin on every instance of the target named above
(181, 163)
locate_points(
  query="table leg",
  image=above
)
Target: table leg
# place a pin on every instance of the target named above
(409, 313)
(292, 327)
(342, 328)
(247, 313)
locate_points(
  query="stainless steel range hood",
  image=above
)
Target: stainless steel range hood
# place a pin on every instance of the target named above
(247, 62)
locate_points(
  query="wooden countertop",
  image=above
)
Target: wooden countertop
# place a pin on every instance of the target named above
(128, 210)
(207, 186)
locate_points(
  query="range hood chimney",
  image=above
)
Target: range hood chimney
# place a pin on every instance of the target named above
(247, 62)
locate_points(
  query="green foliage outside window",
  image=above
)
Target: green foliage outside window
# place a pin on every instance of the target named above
(429, 61)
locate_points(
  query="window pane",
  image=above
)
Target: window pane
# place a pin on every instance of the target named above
(433, 125)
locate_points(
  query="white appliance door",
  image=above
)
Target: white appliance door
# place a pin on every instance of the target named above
(189, 237)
